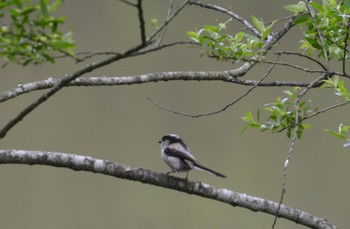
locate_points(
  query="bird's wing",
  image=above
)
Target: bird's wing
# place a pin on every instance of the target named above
(177, 150)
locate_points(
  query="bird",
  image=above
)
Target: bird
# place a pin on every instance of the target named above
(178, 157)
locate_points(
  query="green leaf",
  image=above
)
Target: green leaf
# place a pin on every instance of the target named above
(44, 8)
(339, 135)
(306, 126)
(301, 19)
(211, 28)
(316, 6)
(347, 4)
(18, 3)
(154, 22)
(55, 5)
(193, 35)
(244, 129)
(313, 43)
(239, 36)
(248, 117)
(296, 8)
(258, 24)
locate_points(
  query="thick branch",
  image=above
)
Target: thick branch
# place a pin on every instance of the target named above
(232, 76)
(89, 164)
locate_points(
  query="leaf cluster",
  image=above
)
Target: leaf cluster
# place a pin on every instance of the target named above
(224, 47)
(325, 27)
(338, 87)
(29, 33)
(282, 115)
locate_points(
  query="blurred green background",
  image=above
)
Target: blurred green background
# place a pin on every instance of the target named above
(119, 124)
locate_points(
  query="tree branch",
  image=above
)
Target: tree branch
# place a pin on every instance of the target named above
(93, 66)
(142, 22)
(89, 164)
(60, 84)
(230, 76)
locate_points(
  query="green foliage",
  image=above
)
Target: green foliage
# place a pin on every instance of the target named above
(338, 87)
(155, 23)
(343, 132)
(325, 26)
(29, 34)
(282, 115)
(331, 20)
(224, 47)
(340, 90)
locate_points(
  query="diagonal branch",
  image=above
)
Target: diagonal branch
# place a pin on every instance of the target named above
(60, 84)
(128, 3)
(89, 164)
(93, 66)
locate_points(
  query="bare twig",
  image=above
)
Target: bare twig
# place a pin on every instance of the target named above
(292, 144)
(296, 67)
(228, 12)
(142, 22)
(168, 15)
(109, 168)
(156, 48)
(128, 3)
(225, 107)
(166, 22)
(305, 56)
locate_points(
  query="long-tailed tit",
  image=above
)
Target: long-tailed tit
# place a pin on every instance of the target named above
(178, 157)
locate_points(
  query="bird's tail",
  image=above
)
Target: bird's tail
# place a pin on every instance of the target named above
(203, 168)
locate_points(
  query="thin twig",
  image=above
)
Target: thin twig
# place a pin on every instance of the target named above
(305, 56)
(221, 109)
(292, 144)
(318, 113)
(142, 22)
(296, 67)
(128, 3)
(345, 46)
(156, 48)
(166, 22)
(162, 35)
(228, 12)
